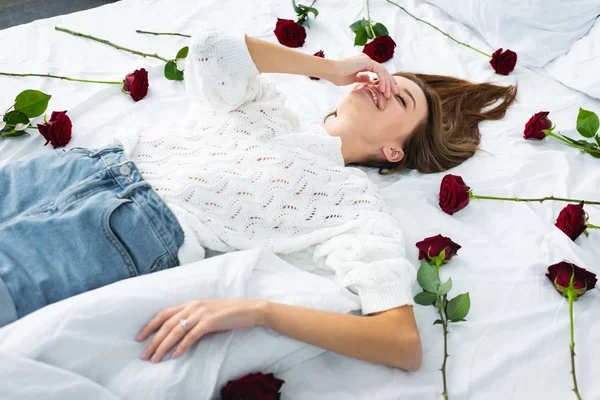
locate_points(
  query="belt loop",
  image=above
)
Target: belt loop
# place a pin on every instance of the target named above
(130, 188)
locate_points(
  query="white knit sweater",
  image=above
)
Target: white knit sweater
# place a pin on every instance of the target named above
(241, 171)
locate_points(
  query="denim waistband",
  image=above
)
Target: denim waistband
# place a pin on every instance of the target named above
(126, 174)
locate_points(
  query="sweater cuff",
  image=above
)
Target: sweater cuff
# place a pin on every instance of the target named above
(382, 298)
(235, 53)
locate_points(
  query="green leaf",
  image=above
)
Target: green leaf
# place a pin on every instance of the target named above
(595, 154)
(361, 38)
(587, 123)
(428, 278)
(357, 26)
(297, 9)
(380, 30)
(438, 321)
(425, 298)
(458, 308)
(15, 117)
(172, 73)
(183, 52)
(32, 103)
(445, 288)
(312, 10)
(597, 138)
(13, 133)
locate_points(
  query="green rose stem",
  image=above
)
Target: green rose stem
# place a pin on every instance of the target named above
(585, 149)
(541, 199)
(590, 226)
(139, 53)
(572, 297)
(438, 29)
(369, 19)
(444, 320)
(163, 33)
(63, 77)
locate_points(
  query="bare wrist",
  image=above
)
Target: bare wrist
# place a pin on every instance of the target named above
(261, 312)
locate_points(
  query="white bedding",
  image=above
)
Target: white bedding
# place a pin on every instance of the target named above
(515, 343)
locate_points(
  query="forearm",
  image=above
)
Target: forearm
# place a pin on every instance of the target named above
(270, 57)
(376, 338)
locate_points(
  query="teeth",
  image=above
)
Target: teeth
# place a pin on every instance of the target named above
(374, 97)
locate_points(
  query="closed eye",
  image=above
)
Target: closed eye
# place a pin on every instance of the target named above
(401, 99)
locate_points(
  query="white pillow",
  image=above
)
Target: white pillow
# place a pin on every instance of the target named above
(537, 30)
(580, 67)
(92, 334)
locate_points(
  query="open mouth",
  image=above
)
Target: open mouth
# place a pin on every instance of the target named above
(374, 96)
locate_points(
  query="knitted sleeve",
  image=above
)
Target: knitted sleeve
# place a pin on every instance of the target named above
(220, 73)
(369, 260)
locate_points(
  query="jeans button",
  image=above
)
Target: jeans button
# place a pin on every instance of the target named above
(125, 170)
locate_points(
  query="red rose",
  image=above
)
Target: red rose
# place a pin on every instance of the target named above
(431, 247)
(454, 194)
(536, 124)
(136, 84)
(571, 220)
(380, 49)
(256, 386)
(289, 33)
(317, 54)
(560, 275)
(57, 131)
(503, 62)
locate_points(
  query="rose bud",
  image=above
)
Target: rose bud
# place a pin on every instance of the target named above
(57, 130)
(454, 194)
(257, 386)
(136, 84)
(503, 62)
(380, 49)
(560, 274)
(536, 125)
(431, 247)
(317, 54)
(571, 220)
(289, 33)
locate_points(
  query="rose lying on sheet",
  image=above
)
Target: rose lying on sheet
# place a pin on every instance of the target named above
(93, 334)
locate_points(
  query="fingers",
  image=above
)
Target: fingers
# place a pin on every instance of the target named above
(387, 83)
(176, 334)
(192, 337)
(162, 333)
(157, 321)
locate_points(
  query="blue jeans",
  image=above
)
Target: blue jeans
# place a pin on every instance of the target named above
(73, 221)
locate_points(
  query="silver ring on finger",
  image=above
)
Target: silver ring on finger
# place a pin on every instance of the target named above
(184, 325)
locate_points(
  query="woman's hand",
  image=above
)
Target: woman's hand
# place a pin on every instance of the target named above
(201, 317)
(354, 69)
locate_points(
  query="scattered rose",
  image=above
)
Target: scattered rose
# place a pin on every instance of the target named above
(431, 247)
(454, 194)
(57, 130)
(536, 125)
(560, 275)
(571, 220)
(256, 386)
(503, 62)
(289, 33)
(136, 84)
(321, 54)
(380, 49)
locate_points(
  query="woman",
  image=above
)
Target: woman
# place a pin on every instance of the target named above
(241, 171)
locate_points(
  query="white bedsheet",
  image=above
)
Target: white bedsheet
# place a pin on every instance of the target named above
(515, 343)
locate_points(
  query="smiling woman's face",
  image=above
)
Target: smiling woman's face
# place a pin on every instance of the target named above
(383, 123)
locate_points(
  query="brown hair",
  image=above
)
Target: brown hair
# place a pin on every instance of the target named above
(450, 133)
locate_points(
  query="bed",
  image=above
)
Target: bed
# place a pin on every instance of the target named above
(515, 342)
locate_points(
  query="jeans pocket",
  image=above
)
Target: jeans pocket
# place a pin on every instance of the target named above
(116, 240)
(133, 235)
